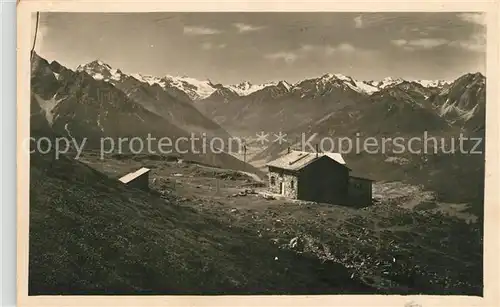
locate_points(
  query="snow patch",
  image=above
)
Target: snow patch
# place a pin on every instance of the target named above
(246, 88)
(450, 107)
(433, 83)
(286, 85)
(367, 88)
(99, 123)
(67, 130)
(98, 76)
(115, 74)
(194, 88)
(355, 85)
(48, 106)
(342, 77)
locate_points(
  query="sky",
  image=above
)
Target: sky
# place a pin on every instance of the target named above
(261, 47)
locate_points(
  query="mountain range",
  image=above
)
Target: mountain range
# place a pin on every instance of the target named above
(282, 106)
(201, 89)
(246, 105)
(244, 109)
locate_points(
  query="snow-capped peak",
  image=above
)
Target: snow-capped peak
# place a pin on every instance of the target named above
(327, 76)
(147, 79)
(390, 81)
(330, 77)
(355, 85)
(101, 71)
(244, 85)
(433, 83)
(246, 88)
(365, 87)
(194, 88)
(342, 77)
(387, 81)
(101, 63)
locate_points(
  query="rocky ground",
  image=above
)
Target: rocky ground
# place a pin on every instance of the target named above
(405, 243)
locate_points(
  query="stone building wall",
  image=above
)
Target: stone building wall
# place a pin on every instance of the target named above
(288, 181)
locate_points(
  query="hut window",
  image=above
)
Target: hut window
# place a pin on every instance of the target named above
(292, 184)
(273, 181)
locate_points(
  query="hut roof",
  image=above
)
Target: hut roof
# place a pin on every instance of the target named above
(360, 177)
(133, 175)
(296, 160)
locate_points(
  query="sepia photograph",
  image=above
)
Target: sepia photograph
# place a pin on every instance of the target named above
(256, 153)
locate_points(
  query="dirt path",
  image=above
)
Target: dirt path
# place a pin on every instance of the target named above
(253, 176)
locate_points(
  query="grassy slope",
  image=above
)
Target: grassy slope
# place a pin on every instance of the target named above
(90, 235)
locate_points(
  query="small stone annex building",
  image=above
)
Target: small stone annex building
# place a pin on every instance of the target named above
(138, 179)
(318, 177)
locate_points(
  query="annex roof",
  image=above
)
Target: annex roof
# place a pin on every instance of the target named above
(133, 175)
(359, 177)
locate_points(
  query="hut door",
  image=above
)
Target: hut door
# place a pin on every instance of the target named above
(281, 187)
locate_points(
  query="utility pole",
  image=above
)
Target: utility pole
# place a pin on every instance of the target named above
(36, 32)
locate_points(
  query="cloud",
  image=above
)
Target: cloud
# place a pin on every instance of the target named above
(476, 43)
(477, 18)
(242, 27)
(211, 46)
(316, 50)
(307, 48)
(399, 42)
(345, 47)
(287, 57)
(427, 43)
(329, 50)
(358, 21)
(420, 43)
(469, 45)
(193, 30)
